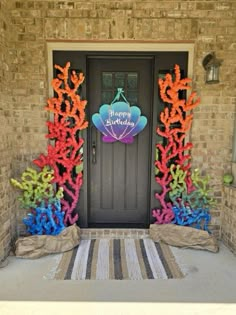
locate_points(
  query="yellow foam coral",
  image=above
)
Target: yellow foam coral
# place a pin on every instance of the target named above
(37, 187)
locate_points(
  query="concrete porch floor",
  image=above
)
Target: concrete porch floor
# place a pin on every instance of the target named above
(209, 287)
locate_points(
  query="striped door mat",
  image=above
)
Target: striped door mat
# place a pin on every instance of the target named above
(118, 259)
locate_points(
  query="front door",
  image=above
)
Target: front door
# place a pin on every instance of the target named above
(119, 173)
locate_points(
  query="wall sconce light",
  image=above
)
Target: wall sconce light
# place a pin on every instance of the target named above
(212, 66)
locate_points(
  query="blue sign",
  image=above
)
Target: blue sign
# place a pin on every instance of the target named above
(119, 121)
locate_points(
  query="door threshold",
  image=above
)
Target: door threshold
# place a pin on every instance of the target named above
(118, 225)
(118, 233)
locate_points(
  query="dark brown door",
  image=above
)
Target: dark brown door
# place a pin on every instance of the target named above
(119, 174)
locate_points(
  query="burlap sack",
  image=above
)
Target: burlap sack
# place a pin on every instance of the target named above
(183, 236)
(36, 246)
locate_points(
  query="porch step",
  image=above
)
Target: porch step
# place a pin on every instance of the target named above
(114, 233)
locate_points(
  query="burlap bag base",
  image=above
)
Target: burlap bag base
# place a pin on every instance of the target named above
(183, 236)
(36, 246)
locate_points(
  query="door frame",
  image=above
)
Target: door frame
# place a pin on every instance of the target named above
(106, 48)
(117, 46)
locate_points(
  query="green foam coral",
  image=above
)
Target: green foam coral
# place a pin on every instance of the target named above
(37, 187)
(178, 184)
(201, 184)
(197, 198)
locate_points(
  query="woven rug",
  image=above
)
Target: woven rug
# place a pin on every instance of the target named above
(118, 259)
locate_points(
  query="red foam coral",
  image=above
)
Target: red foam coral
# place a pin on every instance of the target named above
(175, 149)
(65, 154)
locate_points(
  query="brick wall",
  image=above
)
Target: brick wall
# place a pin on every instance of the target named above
(7, 199)
(228, 228)
(210, 24)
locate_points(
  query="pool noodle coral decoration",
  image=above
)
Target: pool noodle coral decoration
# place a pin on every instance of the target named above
(40, 196)
(37, 187)
(65, 156)
(184, 197)
(52, 194)
(45, 219)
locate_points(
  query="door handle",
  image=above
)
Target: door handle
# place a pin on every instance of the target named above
(94, 144)
(94, 158)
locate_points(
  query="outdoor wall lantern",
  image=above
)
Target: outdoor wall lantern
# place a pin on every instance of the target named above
(212, 65)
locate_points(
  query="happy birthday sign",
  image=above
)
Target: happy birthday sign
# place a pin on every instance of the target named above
(119, 121)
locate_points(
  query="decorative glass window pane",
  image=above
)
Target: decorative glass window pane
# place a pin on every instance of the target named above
(119, 80)
(106, 80)
(132, 81)
(107, 97)
(132, 97)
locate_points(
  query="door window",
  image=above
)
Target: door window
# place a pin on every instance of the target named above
(129, 81)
